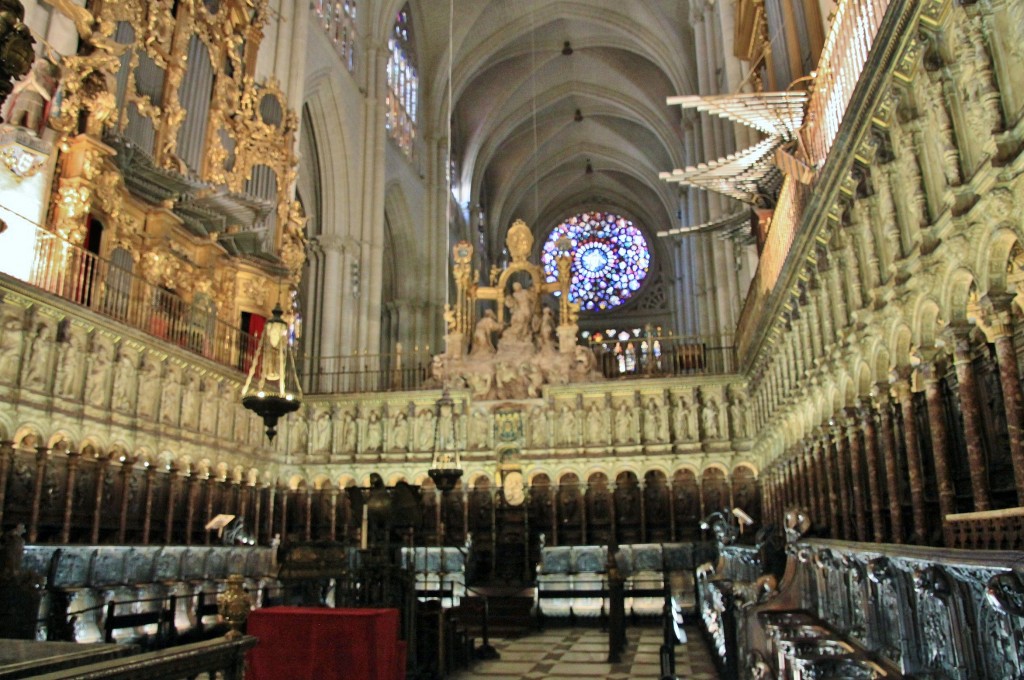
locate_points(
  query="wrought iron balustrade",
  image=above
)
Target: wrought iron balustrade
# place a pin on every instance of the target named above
(353, 373)
(79, 276)
(651, 356)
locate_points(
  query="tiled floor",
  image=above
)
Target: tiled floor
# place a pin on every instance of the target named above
(583, 653)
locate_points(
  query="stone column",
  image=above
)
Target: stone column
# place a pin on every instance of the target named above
(257, 506)
(69, 495)
(892, 483)
(855, 441)
(816, 508)
(212, 490)
(999, 331)
(968, 390)
(308, 523)
(843, 464)
(870, 432)
(929, 371)
(904, 397)
(332, 527)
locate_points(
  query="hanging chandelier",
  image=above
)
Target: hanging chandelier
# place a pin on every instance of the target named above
(272, 388)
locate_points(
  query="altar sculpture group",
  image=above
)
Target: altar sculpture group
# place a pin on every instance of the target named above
(536, 347)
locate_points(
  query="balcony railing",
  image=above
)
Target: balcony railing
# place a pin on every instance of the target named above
(81, 277)
(365, 373)
(851, 36)
(650, 356)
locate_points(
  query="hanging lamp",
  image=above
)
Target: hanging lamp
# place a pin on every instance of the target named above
(272, 387)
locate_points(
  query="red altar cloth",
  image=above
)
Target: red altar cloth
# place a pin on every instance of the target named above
(297, 643)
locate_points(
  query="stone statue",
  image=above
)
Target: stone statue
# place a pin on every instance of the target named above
(68, 383)
(31, 98)
(481, 430)
(738, 415)
(684, 412)
(539, 427)
(546, 336)
(425, 430)
(482, 334)
(97, 379)
(299, 435)
(709, 419)
(10, 347)
(566, 425)
(37, 363)
(655, 425)
(374, 434)
(170, 400)
(189, 401)
(149, 386)
(624, 424)
(400, 432)
(522, 304)
(124, 377)
(596, 425)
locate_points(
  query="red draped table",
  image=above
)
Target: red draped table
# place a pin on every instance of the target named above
(307, 642)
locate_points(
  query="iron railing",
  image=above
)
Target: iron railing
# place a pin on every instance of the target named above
(653, 356)
(365, 372)
(79, 276)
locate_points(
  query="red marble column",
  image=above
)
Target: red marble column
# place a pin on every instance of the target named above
(172, 491)
(332, 527)
(842, 454)
(967, 387)
(828, 470)
(6, 462)
(308, 524)
(892, 482)
(813, 489)
(212, 489)
(816, 450)
(190, 504)
(97, 509)
(802, 477)
(901, 387)
(870, 432)
(69, 495)
(147, 512)
(127, 464)
(1000, 333)
(940, 438)
(257, 503)
(855, 442)
(42, 456)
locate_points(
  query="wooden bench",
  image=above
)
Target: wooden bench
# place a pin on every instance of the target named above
(162, 617)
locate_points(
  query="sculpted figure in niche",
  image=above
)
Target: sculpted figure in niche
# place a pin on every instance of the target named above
(38, 361)
(373, 432)
(481, 429)
(188, 400)
(69, 365)
(539, 427)
(299, 434)
(400, 432)
(655, 424)
(349, 432)
(596, 425)
(425, 430)
(149, 387)
(124, 377)
(738, 414)
(96, 382)
(322, 429)
(624, 424)
(208, 413)
(709, 418)
(10, 347)
(170, 402)
(566, 425)
(482, 334)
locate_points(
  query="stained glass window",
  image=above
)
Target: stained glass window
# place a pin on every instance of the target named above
(609, 259)
(403, 84)
(338, 19)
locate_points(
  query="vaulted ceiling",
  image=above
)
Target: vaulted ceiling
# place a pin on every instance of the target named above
(520, 148)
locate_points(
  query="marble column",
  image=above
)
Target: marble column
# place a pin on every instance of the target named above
(817, 508)
(190, 505)
(915, 475)
(69, 495)
(842, 454)
(172, 488)
(930, 370)
(42, 457)
(127, 464)
(828, 470)
(999, 330)
(257, 506)
(147, 510)
(968, 390)
(870, 432)
(888, 450)
(6, 463)
(332, 524)
(97, 508)
(855, 442)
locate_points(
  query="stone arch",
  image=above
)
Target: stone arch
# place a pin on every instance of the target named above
(345, 481)
(927, 322)
(321, 481)
(900, 340)
(995, 258)
(296, 481)
(958, 291)
(863, 378)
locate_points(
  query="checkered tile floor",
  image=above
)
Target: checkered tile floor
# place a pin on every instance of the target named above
(583, 653)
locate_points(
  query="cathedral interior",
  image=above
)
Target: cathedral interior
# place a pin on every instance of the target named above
(729, 292)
